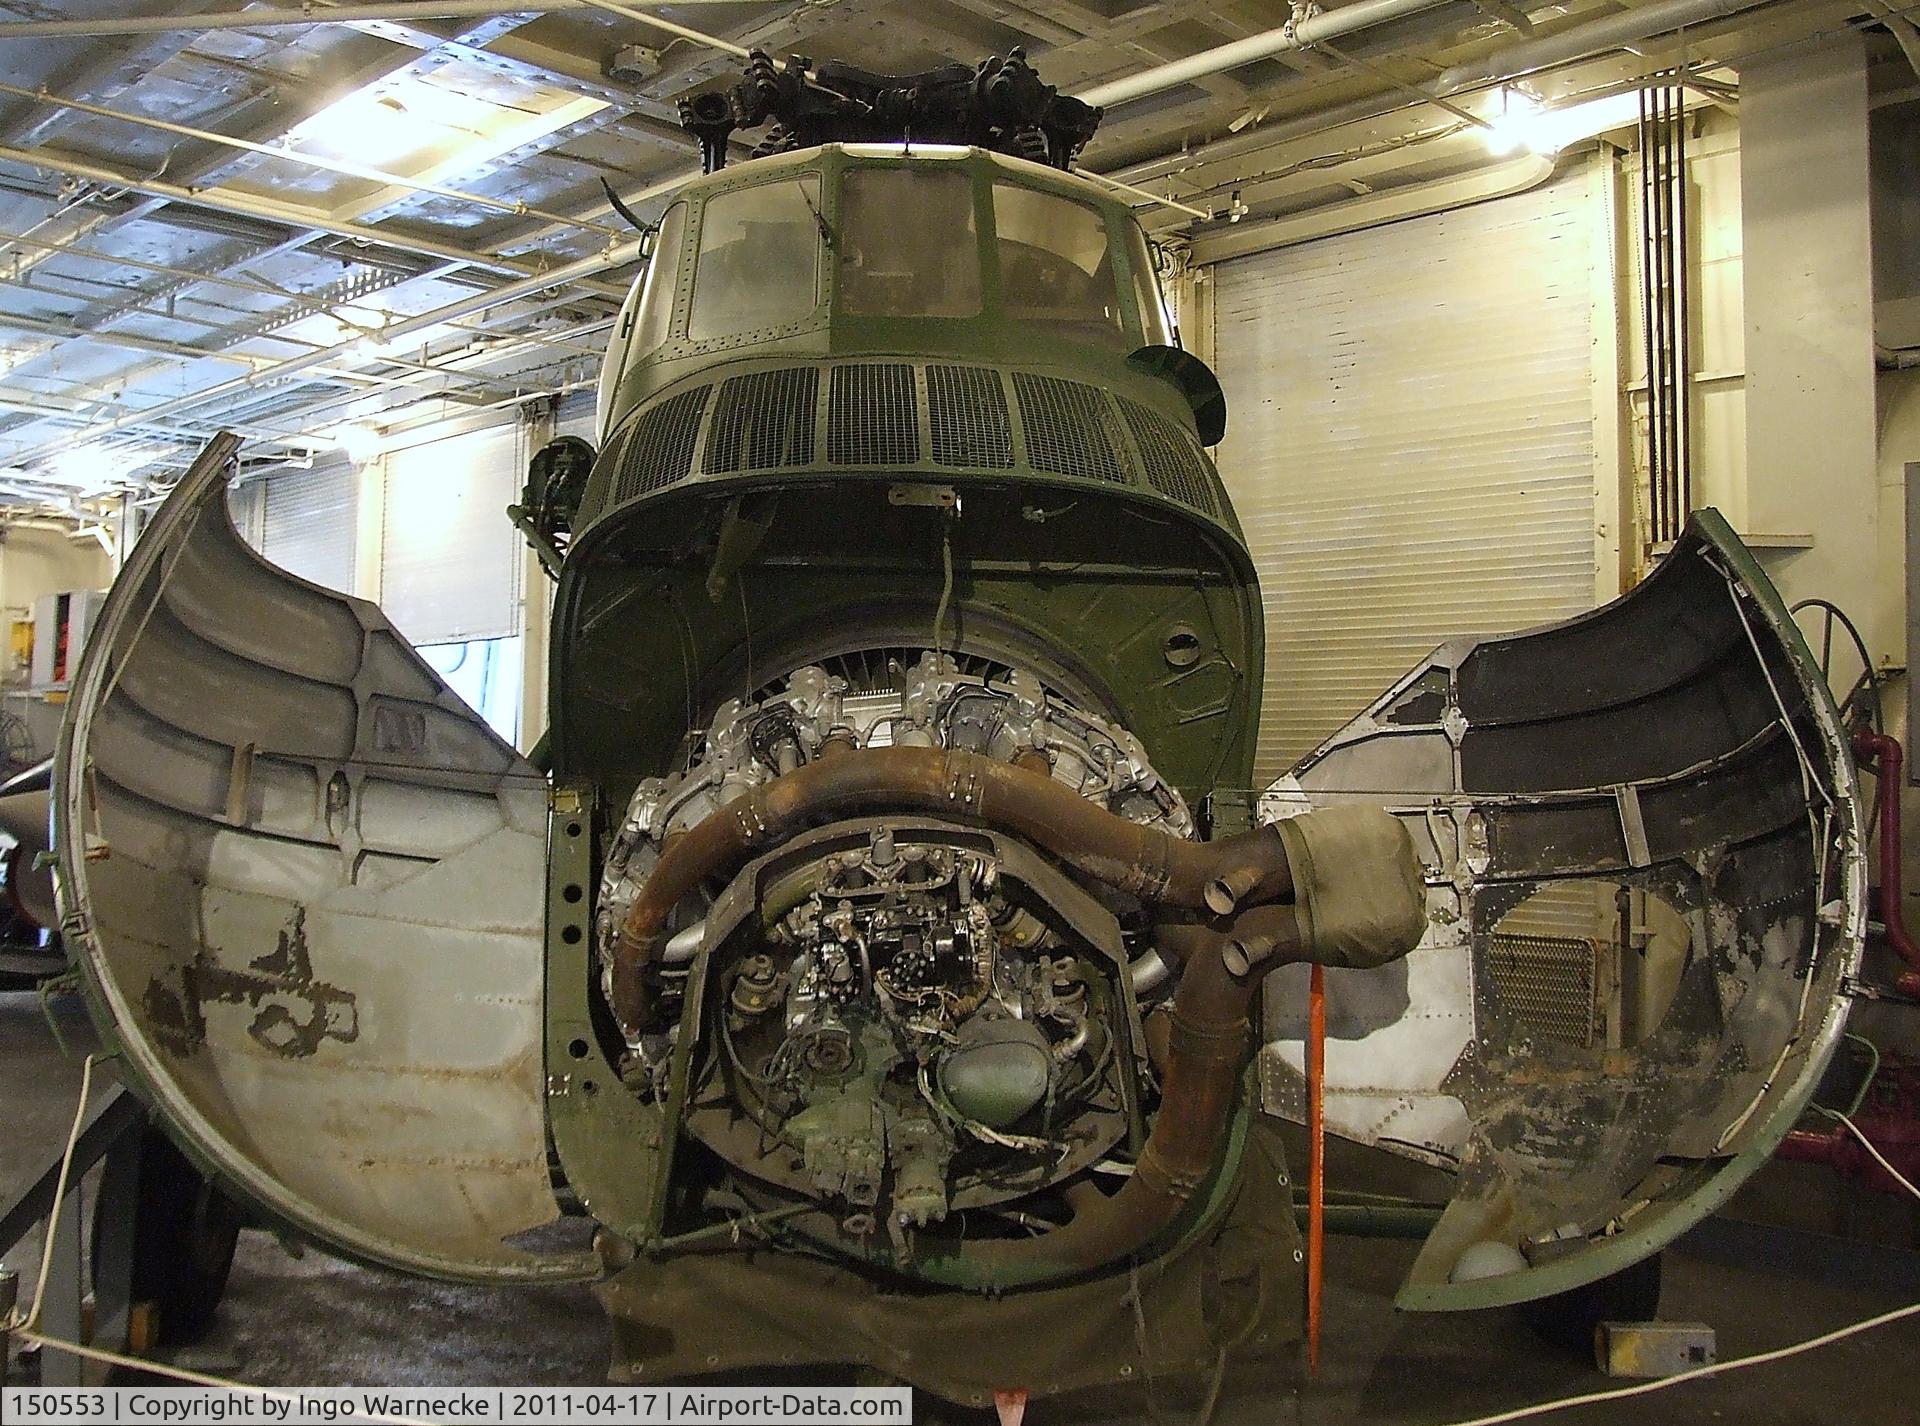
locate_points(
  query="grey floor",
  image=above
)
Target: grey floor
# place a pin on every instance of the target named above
(314, 1321)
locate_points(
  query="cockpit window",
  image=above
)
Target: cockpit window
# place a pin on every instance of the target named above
(1055, 264)
(1156, 329)
(656, 294)
(759, 263)
(907, 244)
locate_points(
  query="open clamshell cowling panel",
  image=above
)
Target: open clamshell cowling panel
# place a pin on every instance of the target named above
(1645, 895)
(305, 884)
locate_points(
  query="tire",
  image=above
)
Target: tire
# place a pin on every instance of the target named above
(184, 1233)
(1568, 1319)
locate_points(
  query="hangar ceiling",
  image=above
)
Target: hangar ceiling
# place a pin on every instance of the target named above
(298, 224)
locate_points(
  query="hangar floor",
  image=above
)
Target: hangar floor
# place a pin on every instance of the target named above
(314, 1321)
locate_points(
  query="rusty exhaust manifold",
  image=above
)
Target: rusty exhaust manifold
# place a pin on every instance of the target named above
(1357, 898)
(1156, 867)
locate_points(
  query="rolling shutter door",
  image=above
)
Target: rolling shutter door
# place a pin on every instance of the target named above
(1410, 448)
(308, 523)
(450, 559)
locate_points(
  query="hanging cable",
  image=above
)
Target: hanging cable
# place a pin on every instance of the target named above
(1758, 1359)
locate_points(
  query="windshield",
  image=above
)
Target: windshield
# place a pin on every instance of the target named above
(908, 245)
(759, 259)
(1056, 266)
(656, 295)
(1155, 326)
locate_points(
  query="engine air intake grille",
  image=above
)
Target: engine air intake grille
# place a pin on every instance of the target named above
(1172, 459)
(660, 450)
(967, 414)
(1546, 984)
(1069, 428)
(763, 421)
(871, 416)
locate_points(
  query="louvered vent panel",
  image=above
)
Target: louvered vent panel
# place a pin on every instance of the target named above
(871, 416)
(660, 451)
(763, 421)
(1172, 457)
(1546, 984)
(967, 413)
(1069, 428)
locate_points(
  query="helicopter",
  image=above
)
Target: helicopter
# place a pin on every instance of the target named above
(886, 957)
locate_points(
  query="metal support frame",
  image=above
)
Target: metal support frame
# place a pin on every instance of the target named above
(111, 1138)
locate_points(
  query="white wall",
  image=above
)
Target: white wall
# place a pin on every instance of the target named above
(37, 560)
(531, 588)
(1813, 463)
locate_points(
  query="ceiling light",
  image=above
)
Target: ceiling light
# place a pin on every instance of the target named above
(1515, 124)
(428, 127)
(1523, 121)
(365, 126)
(361, 443)
(85, 468)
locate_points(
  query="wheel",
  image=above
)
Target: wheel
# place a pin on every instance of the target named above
(1568, 1319)
(184, 1233)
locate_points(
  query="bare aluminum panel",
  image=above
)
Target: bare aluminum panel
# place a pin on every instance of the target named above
(304, 883)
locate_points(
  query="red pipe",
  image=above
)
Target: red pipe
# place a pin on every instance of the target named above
(1316, 1157)
(1885, 755)
(1892, 1127)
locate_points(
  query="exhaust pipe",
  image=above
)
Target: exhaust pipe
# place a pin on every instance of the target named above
(1153, 865)
(1360, 912)
(1357, 897)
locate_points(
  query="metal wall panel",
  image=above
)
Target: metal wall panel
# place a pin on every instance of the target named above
(308, 523)
(1410, 446)
(450, 559)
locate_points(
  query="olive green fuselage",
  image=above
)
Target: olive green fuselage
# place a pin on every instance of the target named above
(846, 436)
(807, 489)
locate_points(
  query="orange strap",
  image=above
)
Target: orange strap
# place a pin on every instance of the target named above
(1316, 1156)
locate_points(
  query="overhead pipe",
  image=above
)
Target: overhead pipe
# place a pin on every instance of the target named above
(583, 269)
(1156, 866)
(1502, 66)
(1294, 35)
(216, 279)
(47, 327)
